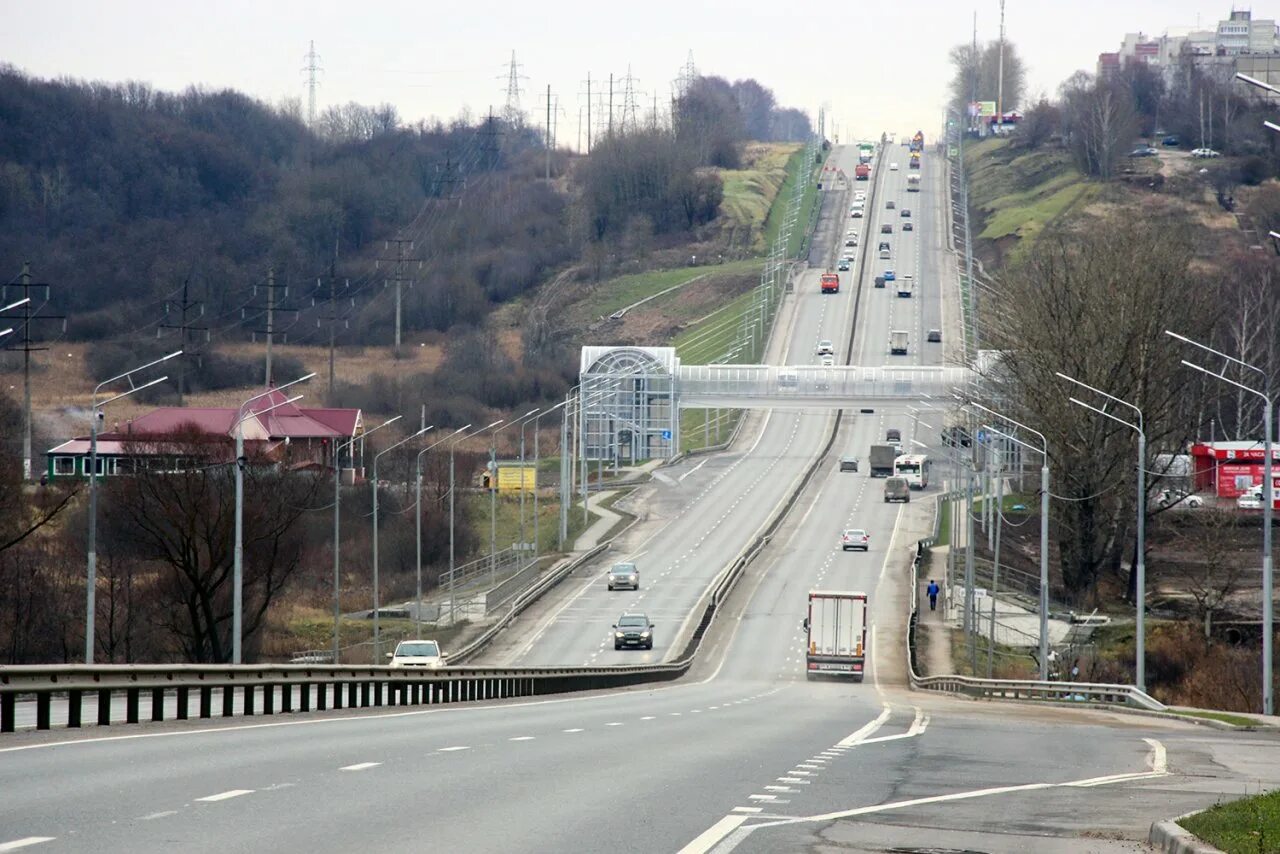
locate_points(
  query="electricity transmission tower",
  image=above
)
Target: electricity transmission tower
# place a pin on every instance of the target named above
(511, 113)
(312, 68)
(630, 108)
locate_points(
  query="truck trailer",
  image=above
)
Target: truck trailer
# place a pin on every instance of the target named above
(836, 634)
(862, 172)
(898, 342)
(830, 283)
(880, 459)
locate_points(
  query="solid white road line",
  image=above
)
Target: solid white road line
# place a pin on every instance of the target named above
(360, 766)
(712, 835)
(859, 736)
(227, 795)
(24, 842)
(692, 470)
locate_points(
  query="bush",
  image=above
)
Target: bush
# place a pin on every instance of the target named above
(1253, 171)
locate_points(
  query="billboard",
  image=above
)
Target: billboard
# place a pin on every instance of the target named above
(514, 478)
(986, 109)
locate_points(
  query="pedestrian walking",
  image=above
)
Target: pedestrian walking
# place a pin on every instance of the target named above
(932, 590)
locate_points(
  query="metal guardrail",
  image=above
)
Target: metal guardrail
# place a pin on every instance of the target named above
(322, 686)
(1010, 689)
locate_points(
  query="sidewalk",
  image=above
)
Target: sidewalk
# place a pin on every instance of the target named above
(934, 655)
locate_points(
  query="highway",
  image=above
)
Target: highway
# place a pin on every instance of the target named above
(745, 754)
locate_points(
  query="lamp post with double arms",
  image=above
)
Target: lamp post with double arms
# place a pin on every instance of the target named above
(453, 446)
(417, 509)
(1044, 527)
(91, 605)
(536, 527)
(377, 605)
(337, 530)
(237, 584)
(493, 491)
(1140, 566)
(1268, 503)
(523, 421)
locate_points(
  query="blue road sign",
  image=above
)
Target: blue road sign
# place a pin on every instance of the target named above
(982, 435)
(666, 434)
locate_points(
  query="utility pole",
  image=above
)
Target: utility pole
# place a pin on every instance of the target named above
(401, 258)
(548, 134)
(1000, 74)
(271, 331)
(610, 133)
(25, 347)
(184, 327)
(974, 63)
(588, 112)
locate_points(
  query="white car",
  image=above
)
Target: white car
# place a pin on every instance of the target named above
(893, 167)
(826, 348)
(828, 361)
(417, 653)
(855, 538)
(857, 214)
(860, 196)
(1204, 152)
(1170, 497)
(1249, 502)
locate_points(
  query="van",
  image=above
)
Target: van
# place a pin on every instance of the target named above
(848, 464)
(896, 489)
(893, 434)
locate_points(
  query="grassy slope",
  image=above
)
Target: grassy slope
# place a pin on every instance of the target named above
(749, 192)
(1015, 194)
(1246, 826)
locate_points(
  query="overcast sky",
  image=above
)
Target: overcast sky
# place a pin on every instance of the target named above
(878, 64)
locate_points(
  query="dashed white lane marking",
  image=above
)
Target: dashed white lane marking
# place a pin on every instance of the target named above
(360, 766)
(522, 738)
(786, 789)
(614, 723)
(227, 795)
(748, 809)
(647, 718)
(709, 838)
(24, 842)
(451, 749)
(155, 815)
(574, 729)
(762, 797)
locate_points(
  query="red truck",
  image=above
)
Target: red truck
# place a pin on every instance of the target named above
(830, 283)
(862, 172)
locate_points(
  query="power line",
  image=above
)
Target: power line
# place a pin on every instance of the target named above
(30, 313)
(271, 330)
(185, 327)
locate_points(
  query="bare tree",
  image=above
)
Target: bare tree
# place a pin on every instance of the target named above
(1093, 302)
(1216, 574)
(1103, 122)
(178, 511)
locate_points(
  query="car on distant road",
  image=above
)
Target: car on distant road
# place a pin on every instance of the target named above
(1181, 498)
(1204, 152)
(857, 214)
(860, 196)
(907, 226)
(893, 167)
(826, 348)
(851, 240)
(890, 276)
(1249, 502)
(848, 464)
(886, 228)
(855, 538)
(935, 336)
(624, 575)
(879, 281)
(843, 266)
(906, 213)
(896, 489)
(1144, 151)
(633, 630)
(828, 361)
(1170, 140)
(890, 205)
(417, 653)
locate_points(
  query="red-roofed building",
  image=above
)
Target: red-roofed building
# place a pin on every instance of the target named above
(309, 434)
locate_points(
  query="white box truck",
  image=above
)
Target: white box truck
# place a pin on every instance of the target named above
(836, 634)
(906, 285)
(898, 342)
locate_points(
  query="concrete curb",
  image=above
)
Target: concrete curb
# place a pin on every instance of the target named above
(1171, 838)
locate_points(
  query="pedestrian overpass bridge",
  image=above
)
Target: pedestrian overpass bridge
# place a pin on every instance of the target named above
(630, 397)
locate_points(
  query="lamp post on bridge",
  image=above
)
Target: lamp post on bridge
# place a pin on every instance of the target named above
(417, 510)
(377, 629)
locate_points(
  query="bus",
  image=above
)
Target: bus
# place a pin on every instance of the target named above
(914, 468)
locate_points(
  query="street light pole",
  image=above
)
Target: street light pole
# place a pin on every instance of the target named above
(91, 575)
(493, 495)
(453, 445)
(377, 628)
(523, 421)
(337, 530)
(1140, 594)
(417, 511)
(237, 583)
(537, 543)
(1044, 529)
(1268, 511)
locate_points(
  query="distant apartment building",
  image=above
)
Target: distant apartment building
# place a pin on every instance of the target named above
(1238, 42)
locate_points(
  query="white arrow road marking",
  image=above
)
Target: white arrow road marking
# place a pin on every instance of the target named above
(24, 842)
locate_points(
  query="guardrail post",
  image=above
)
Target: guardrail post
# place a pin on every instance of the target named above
(268, 699)
(286, 697)
(247, 692)
(7, 710)
(43, 699)
(131, 705)
(157, 704)
(364, 695)
(206, 701)
(104, 707)
(304, 696)
(228, 700)
(74, 700)
(184, 702)
(321, 690)
(353, 695)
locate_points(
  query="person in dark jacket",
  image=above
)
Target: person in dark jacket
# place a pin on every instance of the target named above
(932, 590)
